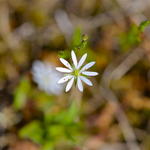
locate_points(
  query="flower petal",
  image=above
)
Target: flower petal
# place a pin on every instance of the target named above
(65, 70)
(90, 73)
(81, 61)
(64, 79)
(85, 80)
(87, 66)
(79, 84)
(69, 84)
(66, 63)
(74, 58)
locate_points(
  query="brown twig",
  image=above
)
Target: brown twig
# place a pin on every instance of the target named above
(116, 72)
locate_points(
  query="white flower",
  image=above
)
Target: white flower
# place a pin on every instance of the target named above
(76, 72)
(45, 75)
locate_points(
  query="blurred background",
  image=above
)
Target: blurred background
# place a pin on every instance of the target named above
(36, 113)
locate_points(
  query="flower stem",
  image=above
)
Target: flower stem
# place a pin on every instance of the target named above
(75, 99)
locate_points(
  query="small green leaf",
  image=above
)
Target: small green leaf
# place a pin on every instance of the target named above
(56, 131)
(64, 54)
(143, 25)
(32, 131)
(48, 145)
(130, 38)
(77, 38)
(78, 44)
(21, 93)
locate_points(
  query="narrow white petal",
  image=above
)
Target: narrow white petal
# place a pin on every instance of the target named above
(69, 84)
(66, 63)
(85, 80)
(64, 79)
(90, 73)
(81, 61)
(87, 66)
(65, 70)
(79, 84)
(74, 58)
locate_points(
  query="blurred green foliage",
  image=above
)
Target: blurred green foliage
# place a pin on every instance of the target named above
(76, 38)
(132, 37)
(30, 30)
(79, 44)
(143, 25)
(21, 93)
(55, 128)
(33, 131)
(59, 125)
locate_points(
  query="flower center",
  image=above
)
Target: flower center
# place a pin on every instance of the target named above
(76, 72)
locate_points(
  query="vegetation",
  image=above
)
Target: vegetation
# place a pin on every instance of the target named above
(36, 113)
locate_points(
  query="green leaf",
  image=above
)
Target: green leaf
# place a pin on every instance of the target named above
(48, 145)
(44, 102)
(21, 93)
(76, 41)
(33, 131)
(64, 54)
(143, 25)
(78, 44)
(56, 131)
(77, 38)
(130, 38)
